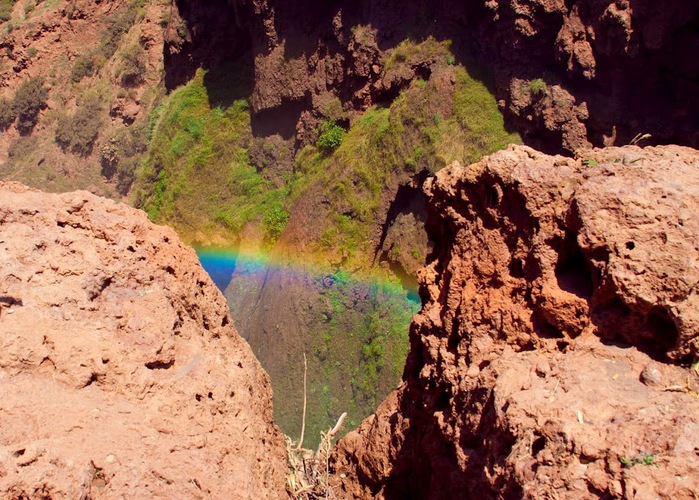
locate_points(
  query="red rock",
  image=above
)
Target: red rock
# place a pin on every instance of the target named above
(558, 281)
(121, 373)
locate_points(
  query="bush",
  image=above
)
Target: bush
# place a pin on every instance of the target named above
(121, 155)
(133, 65)
(118, 26)
(29, 100)
(86, 65)
(274, 223)
(78, 132)
(6, 10)
(330, 136)
(7, 116)
(538, 87)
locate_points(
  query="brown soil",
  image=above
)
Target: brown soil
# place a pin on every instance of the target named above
(556, 303)
(122, 375)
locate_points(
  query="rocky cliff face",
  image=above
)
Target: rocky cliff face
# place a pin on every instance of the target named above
(557, 305)
(122, 374)
(568, 73)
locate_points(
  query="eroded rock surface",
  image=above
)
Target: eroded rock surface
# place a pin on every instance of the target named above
(121, 375)
(550, 357)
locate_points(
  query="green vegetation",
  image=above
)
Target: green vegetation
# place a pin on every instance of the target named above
(132, 65)
(409, 52)
(29, 100)
(641, 458)
(86, 65)
(79, 131)
(197, 174)
(274, 222)
(121, 155)
(412, 135)
(6, 7)
(358, 354)
(7, 115)
(538, 87)
(330, 136)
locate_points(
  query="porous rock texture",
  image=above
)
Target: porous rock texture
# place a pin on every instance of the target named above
(551, 357)
(121, 375)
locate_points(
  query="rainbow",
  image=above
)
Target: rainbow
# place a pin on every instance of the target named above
(221, 263)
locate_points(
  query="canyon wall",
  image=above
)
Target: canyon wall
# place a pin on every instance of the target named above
(569, 74)
(565, 74)
(122, 374)
(552, 354)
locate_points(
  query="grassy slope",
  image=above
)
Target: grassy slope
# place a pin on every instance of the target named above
(197, 176)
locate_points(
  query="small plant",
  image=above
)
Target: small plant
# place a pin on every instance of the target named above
(31, 52)
(309, 471)
(641, 458)
(330, 137)
(6, 10)
(274, 223)
(86, 65)
(590, 162)
(538, 87)
(638, 138)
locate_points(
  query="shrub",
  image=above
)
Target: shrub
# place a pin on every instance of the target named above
(121, 155)
(7, 116)
(78, 132)
(118, 26)
(274, 222)
(85, 65)
(29, 100)
(538, 87)
(6, 10)
(133, 65)
(330, 136)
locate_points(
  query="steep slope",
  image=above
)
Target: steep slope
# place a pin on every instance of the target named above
(122, 375)
(551, 355)
(100, 67)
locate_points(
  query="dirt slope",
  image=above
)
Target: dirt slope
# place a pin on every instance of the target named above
(560, 298)
(122, 375)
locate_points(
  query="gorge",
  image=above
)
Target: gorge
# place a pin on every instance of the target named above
(300, 148)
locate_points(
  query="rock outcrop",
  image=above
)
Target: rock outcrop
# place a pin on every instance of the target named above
(121, 375)
(552, 355)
